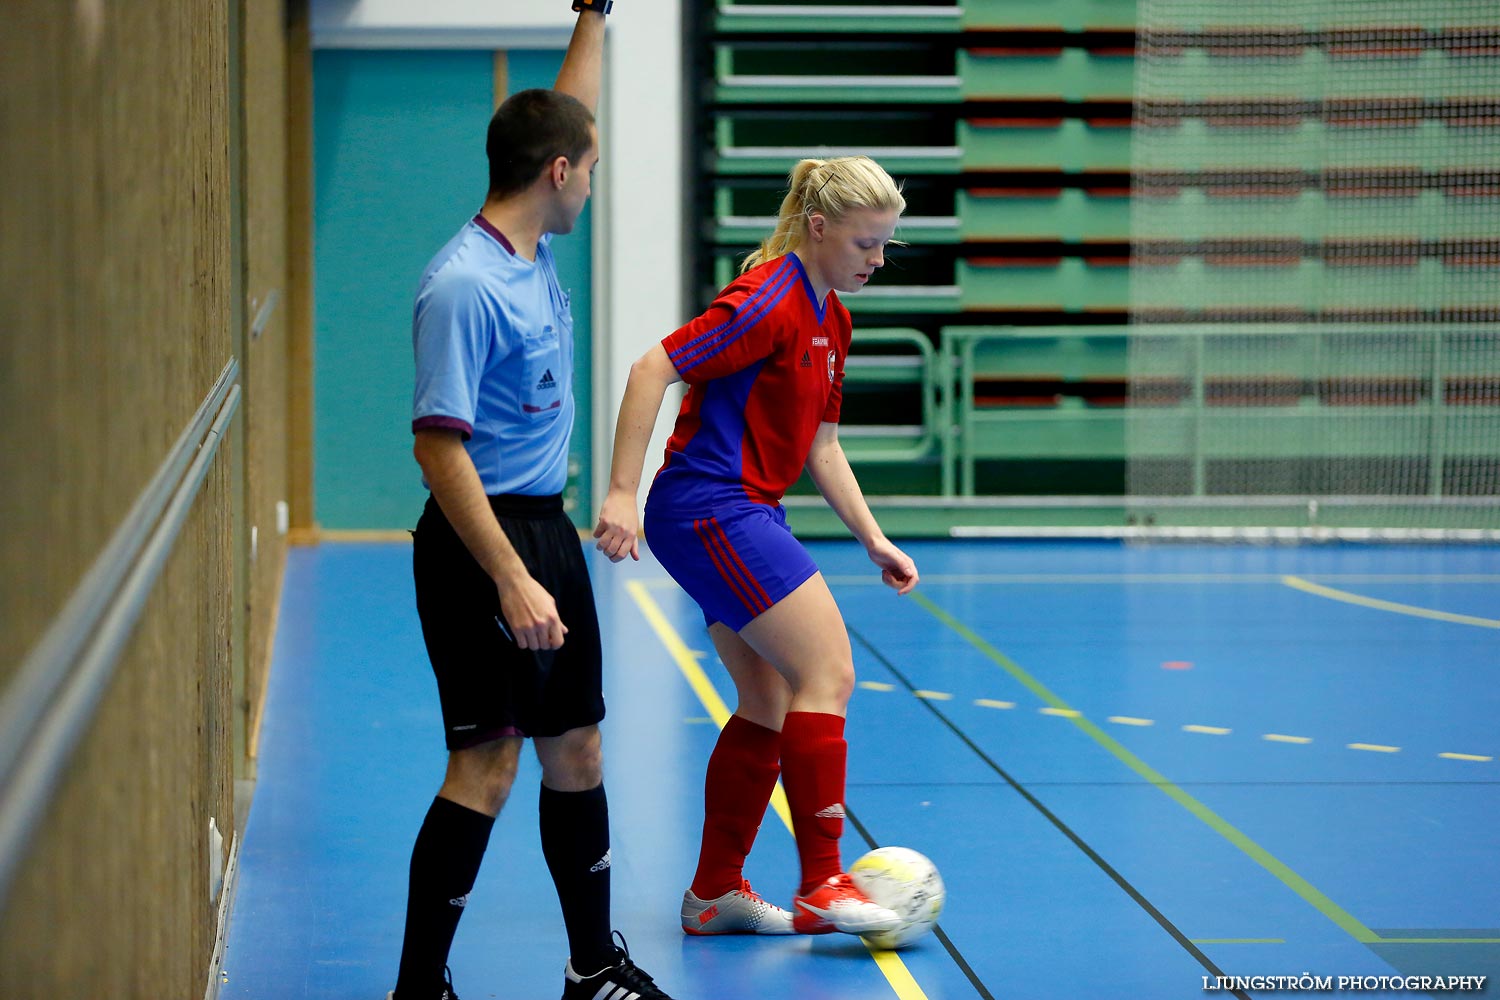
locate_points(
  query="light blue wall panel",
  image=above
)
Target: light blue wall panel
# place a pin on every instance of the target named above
(400, 166)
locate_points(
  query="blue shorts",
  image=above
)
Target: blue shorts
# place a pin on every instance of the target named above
(736, 562)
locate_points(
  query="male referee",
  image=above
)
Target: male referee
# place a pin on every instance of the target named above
(502, 588)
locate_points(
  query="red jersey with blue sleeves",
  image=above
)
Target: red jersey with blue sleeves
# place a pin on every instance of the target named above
(764, 367)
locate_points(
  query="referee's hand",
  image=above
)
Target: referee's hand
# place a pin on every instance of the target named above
(618, 527)
(532, 614)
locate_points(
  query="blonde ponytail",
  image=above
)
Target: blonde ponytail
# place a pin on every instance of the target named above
(791, 220)
(831, 188)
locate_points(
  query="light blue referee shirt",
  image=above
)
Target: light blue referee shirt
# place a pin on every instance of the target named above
(493, 336)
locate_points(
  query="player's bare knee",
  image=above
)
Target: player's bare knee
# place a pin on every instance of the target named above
(499, 778)
(766, 697)
(481, 777)
(573, 762)
(585, 760)
(840, 681)
(832, 683)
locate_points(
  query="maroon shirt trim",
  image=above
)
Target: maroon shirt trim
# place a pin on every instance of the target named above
(443, 423)
(489, 227)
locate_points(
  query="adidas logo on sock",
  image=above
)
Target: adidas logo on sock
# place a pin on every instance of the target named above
(602, 864)
(547, 381)
(460, 902)
(835, 811)
(806, 360)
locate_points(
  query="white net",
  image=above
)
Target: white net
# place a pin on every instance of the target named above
(1315, 280)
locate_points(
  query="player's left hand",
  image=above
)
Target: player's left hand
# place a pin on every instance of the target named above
(618, 527)
(896, 567)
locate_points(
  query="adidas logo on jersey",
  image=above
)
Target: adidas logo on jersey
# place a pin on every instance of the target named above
(603, 863)
(835, 811)
(806, 360)
(547, 381)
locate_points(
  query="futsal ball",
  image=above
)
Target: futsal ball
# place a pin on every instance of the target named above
(900, 879)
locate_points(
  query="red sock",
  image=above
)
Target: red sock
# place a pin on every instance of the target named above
(813, 757)
(742, 774)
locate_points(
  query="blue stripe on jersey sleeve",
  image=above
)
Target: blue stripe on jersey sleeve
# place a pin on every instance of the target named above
(746, 307)
(742, 323)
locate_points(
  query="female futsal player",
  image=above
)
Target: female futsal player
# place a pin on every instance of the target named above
(765, 370)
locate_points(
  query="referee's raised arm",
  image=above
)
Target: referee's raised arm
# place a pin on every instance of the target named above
(583, 66)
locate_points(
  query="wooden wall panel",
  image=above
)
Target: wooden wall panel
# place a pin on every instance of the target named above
(268, 351)
(114, 285)
(299, 249)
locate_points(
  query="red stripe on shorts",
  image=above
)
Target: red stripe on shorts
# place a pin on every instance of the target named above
(759, 590)
(735, 584)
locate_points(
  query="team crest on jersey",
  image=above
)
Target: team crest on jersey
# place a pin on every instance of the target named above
(831, 356)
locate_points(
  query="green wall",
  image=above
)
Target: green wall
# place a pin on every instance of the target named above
(399, 166)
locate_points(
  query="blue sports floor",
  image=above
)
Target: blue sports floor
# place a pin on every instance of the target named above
(1134, 766)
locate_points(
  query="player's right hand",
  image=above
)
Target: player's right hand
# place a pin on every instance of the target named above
(531, 614)
(618, 527)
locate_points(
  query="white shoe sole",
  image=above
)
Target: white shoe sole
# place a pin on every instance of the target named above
(774, 921)
(870, 919)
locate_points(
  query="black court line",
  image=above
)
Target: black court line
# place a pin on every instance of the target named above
(937, 928)
(1052, 818)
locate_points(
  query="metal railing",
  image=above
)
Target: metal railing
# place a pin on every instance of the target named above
(55, 693)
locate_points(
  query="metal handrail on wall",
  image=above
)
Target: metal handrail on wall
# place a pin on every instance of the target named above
(54, 695)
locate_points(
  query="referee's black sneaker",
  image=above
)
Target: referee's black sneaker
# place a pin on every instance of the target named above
(622, 981)
(443, 992)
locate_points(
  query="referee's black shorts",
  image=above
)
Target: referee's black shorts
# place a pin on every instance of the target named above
(489, 687)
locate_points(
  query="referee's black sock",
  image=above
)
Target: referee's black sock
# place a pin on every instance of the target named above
(444, 863)
(575, 840)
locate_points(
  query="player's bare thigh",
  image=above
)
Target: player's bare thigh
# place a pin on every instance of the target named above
(803, 637)
(764, 695)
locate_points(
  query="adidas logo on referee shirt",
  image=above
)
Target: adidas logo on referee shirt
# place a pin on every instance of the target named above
(547, 381)
(806, 360)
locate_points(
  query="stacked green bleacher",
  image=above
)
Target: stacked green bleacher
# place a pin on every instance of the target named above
(1008, 122)
(1044, 340)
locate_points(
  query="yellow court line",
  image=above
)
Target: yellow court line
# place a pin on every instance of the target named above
(877, 686)
(934, 695)
(889, 963)
(1343, 918)
(1374, 747)
(1207, 730)
(1062, 713)
(1307, 586)
(1279, 738)
(1466, 756)
(1130, 720)
(992, 703)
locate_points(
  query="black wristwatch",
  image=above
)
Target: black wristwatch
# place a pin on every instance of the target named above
(602, 6)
